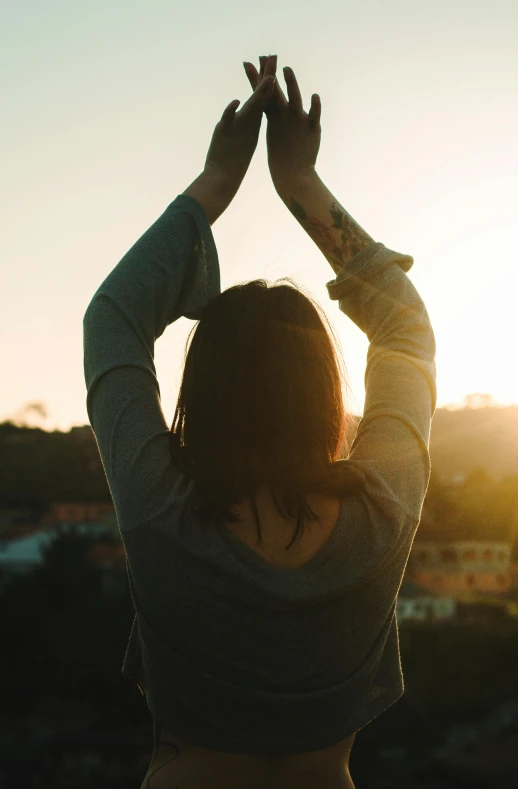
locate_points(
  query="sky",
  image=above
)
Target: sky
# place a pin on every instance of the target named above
(107, 113)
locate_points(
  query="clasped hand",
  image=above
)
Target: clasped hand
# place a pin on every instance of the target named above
(235, 137)
(293, 139)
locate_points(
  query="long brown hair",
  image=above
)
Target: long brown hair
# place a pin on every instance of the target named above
(261, 403)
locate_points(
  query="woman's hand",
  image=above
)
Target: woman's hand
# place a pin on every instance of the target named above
(235, 136)
(292, 136)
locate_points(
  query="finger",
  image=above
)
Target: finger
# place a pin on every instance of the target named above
(270, 66)
(278, 98)
(251, 73)
(264, 88)
(262, 64)
(261, 96)
(315, 110)
(228, 114)
(294, 96)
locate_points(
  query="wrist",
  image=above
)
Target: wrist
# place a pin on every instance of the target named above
(299, 182)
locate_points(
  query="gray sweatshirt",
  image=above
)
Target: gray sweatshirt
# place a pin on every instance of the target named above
(231, 652)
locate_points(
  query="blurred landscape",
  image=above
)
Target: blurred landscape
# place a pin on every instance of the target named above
(69, 718)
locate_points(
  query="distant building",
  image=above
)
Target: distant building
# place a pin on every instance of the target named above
(21, 555)
(79, 512)
(15, 522)
(450, 568)
(419, 604)
(479, 400)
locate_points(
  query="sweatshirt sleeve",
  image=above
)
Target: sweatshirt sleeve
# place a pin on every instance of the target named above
(171, 271)
(391, 448)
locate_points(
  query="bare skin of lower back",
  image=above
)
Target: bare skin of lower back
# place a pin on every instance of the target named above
(176, 766)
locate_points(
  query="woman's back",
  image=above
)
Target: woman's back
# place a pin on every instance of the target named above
(326, 768)
(277, 531)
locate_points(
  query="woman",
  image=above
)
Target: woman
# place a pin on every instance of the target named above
(264, 554)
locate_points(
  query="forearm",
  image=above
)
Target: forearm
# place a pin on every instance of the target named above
(332, 229)
(214, 192)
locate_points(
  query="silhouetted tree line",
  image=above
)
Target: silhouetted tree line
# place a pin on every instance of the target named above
(39, 468)
(478, 508)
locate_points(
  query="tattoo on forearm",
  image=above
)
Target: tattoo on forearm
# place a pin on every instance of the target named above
(353, 237)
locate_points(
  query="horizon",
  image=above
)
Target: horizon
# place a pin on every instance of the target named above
(476, 401)
(111, 111)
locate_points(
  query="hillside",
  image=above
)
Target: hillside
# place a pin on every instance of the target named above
(467, 438)
(42, 467)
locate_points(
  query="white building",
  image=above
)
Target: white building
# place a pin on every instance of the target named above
(20, 556)
(450, 568)
(419, 604)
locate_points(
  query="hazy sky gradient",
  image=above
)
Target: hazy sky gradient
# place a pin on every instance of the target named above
(108, 110)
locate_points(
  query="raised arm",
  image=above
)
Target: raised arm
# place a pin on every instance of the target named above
(293, 140)
(333, 230)
(391, 445)
(391, 450)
